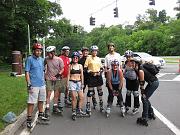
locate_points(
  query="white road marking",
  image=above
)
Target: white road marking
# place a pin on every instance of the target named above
(168, 123)
(177, 78)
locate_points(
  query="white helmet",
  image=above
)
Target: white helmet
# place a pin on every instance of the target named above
(50, 49)
(94, 48)
(65, 48)
(128, 53)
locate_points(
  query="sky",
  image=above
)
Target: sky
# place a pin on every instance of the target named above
(79, 11)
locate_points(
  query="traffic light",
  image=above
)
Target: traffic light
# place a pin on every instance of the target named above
(116, 12)
(92, 20)
(151, 2)
(75, 30)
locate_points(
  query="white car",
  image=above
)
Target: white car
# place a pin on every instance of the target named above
(145, 57)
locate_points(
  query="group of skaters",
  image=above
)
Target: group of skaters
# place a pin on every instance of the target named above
(83, 73)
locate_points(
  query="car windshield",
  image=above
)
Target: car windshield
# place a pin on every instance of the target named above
(144, 55)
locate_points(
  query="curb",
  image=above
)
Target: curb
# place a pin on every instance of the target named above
(11, 129)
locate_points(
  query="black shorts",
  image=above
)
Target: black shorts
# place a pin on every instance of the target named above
(94, 81)
(132, 85)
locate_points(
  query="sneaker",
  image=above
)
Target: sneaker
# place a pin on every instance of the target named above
(135, 110)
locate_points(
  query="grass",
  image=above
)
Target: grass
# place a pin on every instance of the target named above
(12, 94)
(172, 60)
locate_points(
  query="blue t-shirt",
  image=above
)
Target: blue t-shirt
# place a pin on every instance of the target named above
(35, 66)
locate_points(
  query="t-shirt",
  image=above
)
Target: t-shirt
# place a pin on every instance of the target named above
(35, 66)
(53, 67)
(111, 57)
(66, 65)
(93, 64)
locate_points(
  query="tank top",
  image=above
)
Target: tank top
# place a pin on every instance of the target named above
(75, 71)
(130, 74)
(115, 77)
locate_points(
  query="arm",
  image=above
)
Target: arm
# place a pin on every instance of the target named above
(109, 79)
(27, 77)
(121, 79)
(68, 77)
(141, 80)
(82, 76)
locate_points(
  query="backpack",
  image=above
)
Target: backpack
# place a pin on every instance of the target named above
(151, 68)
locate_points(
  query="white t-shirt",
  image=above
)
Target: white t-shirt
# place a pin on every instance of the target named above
(111, 57)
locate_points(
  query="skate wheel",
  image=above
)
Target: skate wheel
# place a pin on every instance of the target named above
(73, 118)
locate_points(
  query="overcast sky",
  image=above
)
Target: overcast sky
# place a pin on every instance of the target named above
(79, 11)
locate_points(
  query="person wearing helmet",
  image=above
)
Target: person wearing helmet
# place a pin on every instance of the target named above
(75, 84)
(85, 52)
(111, 56)
(54, 69)
(115, 82)
(94, 68)
(35, 83)
(65, 57)
(132, 83)
(146, 92)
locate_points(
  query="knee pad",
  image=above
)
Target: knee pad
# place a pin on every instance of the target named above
(90, 93)
(128, 93)
(100, 92)
(136, 93)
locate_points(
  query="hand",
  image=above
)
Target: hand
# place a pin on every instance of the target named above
(82, 86)
(29, 88)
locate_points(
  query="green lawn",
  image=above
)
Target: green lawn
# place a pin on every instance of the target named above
(172, 60)
(12, 94)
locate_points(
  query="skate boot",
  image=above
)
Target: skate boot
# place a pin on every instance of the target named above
(152, 116)
(47, 113)
(108, 111)
(94, 102)
(80, 113)
(142, 121)
(135, 110)
(67, 103)
(60, 106)
(88, 108)
(56, 110)
(29, 123)
(127, 109)
(74, 114)
(42, 119)
(101, 106)
(122, 108)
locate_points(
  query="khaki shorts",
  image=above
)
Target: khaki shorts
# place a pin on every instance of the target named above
(36, 94)
(55, 85)
(63, 86)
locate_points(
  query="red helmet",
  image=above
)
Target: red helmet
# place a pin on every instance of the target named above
(37, 46)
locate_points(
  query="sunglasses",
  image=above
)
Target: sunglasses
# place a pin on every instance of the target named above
(75, 57)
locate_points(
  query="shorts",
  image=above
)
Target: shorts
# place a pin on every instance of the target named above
(75, 86)
(63, 85)
(95, 81)
(54, 85)
(38, 94)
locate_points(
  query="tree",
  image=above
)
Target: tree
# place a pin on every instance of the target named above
(178, 9)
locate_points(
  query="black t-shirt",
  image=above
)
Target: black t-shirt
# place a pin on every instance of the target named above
(82, 61)
(148, 77)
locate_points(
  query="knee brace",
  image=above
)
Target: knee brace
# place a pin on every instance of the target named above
(100, 92)
(128, 93)
(136, 93)
(90, 93)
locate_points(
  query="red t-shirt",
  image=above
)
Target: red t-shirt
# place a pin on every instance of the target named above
(66, 65)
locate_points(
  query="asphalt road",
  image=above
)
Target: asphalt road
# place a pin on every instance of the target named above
(165, 101)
